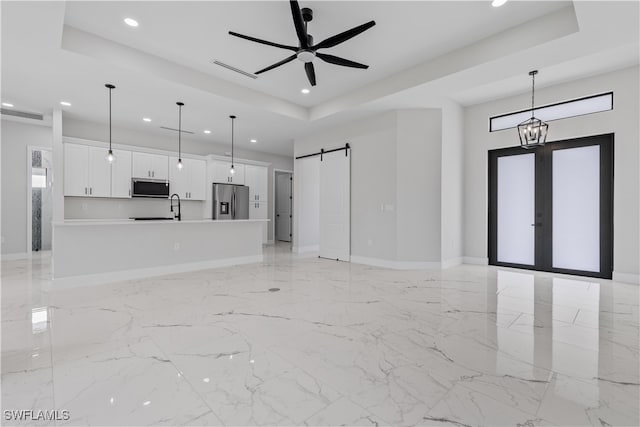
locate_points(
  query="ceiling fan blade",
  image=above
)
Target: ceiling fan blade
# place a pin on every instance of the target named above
(311, 72)
(277, 64)
(340, 61)
(344, 36)
(301, 30)
(253, 39)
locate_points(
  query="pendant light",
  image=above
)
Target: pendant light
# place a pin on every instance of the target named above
(110, 158)
(179, 165)
(232, 170)
(532, 132)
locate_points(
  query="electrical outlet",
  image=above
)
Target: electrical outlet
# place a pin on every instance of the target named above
(176, 246)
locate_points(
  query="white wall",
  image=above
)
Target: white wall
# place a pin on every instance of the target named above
(622, 120)
(418, 185)
(306, 206)
(97, 132)
(15, 137)
(396, 186)
(373, 185)
(452, 182)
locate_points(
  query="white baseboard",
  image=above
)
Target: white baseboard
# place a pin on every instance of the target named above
(626, 278)
(119, 276)
(475, 261)
(396, 265)
(451, 262)
(306, 249)
(15, 256)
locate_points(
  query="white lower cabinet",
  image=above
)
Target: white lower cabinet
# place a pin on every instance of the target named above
(260, 210)
(190, 182)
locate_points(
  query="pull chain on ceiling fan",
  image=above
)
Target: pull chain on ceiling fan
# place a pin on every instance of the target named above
(307, 51)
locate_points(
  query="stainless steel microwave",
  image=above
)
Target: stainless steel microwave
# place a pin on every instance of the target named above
(154, 188)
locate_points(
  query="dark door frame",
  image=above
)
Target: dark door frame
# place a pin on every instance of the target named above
(544, 204)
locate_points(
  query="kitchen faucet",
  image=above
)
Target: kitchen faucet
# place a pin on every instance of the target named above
(179, 216)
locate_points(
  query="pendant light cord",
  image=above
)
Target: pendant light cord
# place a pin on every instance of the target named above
(533, 91)
(110, 89)
(179, 131)
(232, 120)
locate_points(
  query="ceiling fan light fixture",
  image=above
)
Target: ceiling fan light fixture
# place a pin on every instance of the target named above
(305, 91)
(498, 3)
(306, 56)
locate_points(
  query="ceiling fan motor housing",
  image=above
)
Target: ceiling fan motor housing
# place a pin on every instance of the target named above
(307, 14)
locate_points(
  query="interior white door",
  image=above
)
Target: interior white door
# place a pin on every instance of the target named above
(516, 209)
(576, 208)
(283, 206)
(335, 205)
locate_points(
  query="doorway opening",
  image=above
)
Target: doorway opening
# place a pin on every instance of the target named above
(39, 198)
(551, 208)
(283, 184)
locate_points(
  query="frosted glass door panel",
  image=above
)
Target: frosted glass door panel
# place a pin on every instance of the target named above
(576, 208)
(516, 209)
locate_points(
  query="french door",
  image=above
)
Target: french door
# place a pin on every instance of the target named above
(551, 208)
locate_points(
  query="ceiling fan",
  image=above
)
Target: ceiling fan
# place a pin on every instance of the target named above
(307, 51)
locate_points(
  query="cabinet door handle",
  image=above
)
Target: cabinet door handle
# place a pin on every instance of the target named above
(153, 174)
(90, 190)
(85, 190)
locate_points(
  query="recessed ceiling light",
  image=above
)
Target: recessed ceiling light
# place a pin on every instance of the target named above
(7, 104)
(146, 119)
(65, 103)
(207, 131)
(305, 91)
(131, 22)
(253, 141)
(498, 3)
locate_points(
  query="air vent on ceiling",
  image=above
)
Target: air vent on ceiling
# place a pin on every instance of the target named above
(175, 130)
(22, 114)
(232, 68)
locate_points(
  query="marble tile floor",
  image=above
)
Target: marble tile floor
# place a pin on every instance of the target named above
(338, 344)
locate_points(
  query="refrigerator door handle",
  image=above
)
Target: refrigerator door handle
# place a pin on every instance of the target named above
(233, 206)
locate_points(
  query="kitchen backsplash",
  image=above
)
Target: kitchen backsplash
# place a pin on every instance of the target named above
(98, 208)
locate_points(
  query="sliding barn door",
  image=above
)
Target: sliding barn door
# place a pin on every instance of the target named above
(335, 205)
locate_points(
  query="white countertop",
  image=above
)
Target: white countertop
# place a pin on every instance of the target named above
(81, 222)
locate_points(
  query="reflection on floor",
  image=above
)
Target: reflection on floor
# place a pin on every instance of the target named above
(338, 344)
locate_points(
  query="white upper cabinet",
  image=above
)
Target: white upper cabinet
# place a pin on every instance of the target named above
(87, 173)
(76, 170)
(121, 174)
(221, 172)
(257, 178)
(152, 166)
(189, 182)
(99, 173)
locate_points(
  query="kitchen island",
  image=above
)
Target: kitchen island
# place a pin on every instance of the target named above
(87, 252)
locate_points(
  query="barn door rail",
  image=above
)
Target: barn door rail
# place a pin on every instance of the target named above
(322, 152)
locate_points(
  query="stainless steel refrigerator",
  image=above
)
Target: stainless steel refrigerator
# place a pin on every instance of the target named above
(230, 201)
